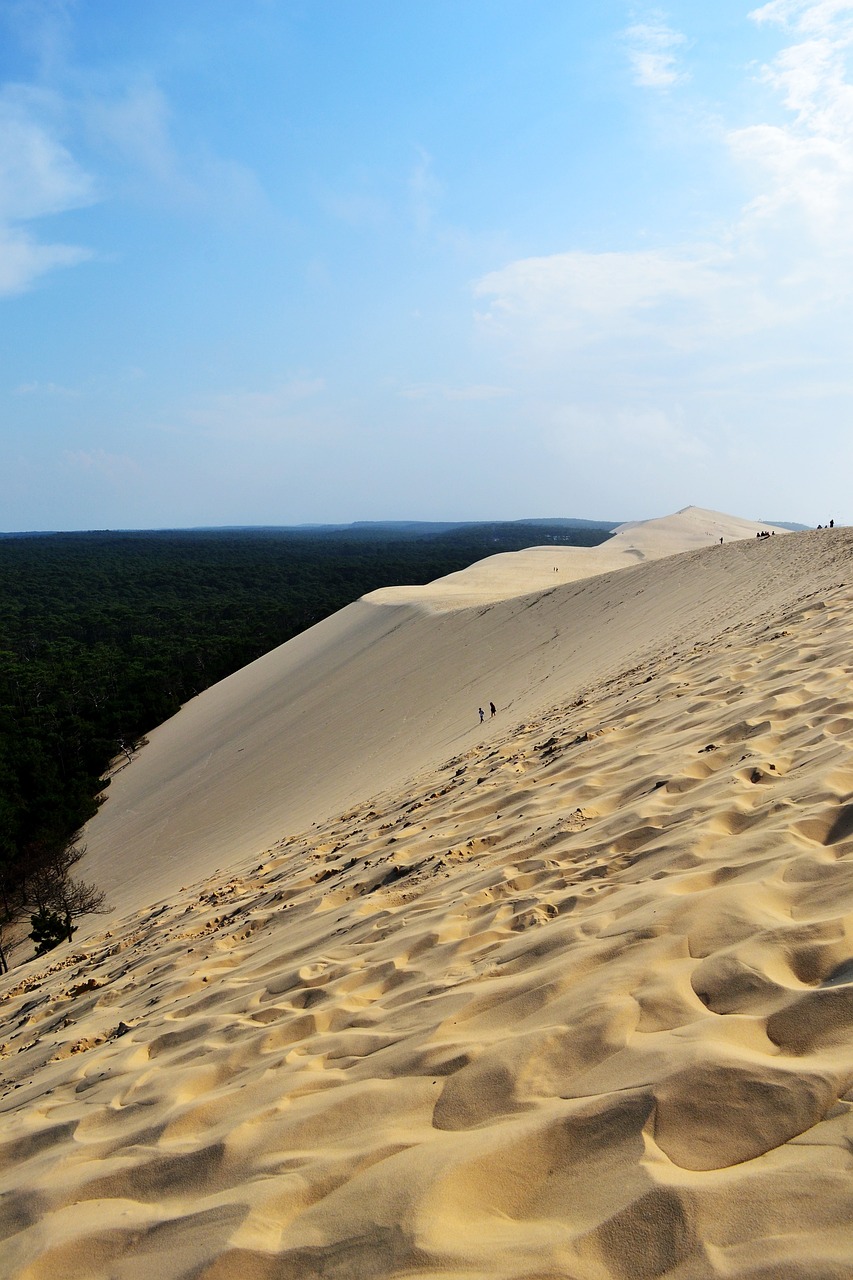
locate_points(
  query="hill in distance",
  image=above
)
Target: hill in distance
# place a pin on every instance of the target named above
(378, 528)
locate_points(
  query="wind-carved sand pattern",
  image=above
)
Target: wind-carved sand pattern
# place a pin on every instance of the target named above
(579, 1003)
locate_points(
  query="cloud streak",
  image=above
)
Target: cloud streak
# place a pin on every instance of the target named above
(130, 133)
(115, 468)
(680, 298)
(807, 162)
(38, 177)
(783, 258)
(45, 389)
(653, 47)
(473, 393)
(258, 415)
(136, 127)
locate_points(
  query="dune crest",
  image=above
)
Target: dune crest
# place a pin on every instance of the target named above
(516, 573)
(392, 684)
(575, 1001)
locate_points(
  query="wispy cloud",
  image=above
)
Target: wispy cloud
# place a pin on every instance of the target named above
(634, 433)
(128, 131)
(680, 296)
(807, 15)
(137, 123)
(424, 191)
(356, 208)
(38, 177)
(45, 389)
(807, 162)
(43, 28)
(653, 48)
(784, 257)
(259, 414)
(136, 127)
(434, 391)
(23, 259)
(114, 467)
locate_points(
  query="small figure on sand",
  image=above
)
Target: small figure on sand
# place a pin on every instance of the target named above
(493, 709)
(482, 714)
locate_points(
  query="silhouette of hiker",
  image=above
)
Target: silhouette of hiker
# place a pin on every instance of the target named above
(482, 714)
(493, 709)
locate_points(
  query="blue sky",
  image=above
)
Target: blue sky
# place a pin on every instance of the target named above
(285, 261)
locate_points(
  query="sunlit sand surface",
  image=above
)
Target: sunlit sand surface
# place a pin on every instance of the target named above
(568, 994)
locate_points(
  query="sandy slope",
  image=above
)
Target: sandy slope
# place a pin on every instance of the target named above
(389, 686)
(577, 1001)
(514, 573)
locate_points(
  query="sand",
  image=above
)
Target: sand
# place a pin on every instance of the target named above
(568, 994)
(391, 685)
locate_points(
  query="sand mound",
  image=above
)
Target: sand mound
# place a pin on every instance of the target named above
(391, 685)
(536, 569)
(576, 1001)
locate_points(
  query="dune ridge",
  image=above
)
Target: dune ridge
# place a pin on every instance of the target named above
(514, 573)
(575, 1002)
(392, 683)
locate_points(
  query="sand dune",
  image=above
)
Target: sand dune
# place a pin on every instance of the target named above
(573, 999)
(517, 573)
(391, 685)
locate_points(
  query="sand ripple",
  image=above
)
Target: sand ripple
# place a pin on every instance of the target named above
(579, 1003)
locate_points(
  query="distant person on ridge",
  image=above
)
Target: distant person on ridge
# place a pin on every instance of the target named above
(493, 709)
(482, 714)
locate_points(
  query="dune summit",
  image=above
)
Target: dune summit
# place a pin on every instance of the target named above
(568, 994)
(390, 686)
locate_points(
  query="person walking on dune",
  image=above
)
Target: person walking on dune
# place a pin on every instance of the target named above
(493, 709)
(482, 714)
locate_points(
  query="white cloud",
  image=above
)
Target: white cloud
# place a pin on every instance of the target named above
(357, 208)
(654, 431)
(45, 389)
(653, 49)
(578, 287)
(137, 127)
(784, 258)
(137, 124)
(424, 191)
(23, 259)
(261, 414)
(807, 15)
(434, 391)
(632, 432)
(680, 296)
(807, 161)
(114, 467)
(43, 28)
(38, 177)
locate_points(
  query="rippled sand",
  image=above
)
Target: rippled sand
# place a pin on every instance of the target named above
(574, 1001)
